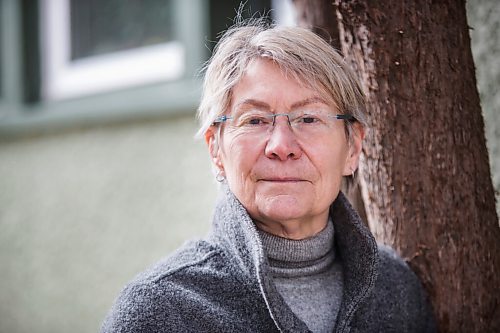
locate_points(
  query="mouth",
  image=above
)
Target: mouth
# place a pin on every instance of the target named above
(283, 180)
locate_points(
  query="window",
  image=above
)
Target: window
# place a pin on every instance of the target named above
(73, 62)
(96, 46)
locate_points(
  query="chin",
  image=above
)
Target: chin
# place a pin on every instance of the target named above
(281, 207)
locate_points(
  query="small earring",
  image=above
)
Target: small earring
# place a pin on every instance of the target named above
(352, 173)
(220, 176)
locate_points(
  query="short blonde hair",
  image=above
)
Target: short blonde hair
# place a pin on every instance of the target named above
(297, 51)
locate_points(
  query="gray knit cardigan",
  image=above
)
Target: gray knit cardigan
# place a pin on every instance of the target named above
(223, 284)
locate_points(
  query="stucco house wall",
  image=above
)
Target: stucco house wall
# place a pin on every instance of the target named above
(83, 212)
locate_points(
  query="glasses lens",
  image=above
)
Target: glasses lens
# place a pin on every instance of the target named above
(304, 123)
(253, 119)
(310, 119)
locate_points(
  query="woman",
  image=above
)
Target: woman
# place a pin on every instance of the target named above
(283, 117)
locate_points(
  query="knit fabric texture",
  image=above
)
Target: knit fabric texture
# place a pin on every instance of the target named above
(224, 284)
(307, 276)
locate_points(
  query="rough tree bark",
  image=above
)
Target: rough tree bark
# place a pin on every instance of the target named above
(319, 16)
(425, 176)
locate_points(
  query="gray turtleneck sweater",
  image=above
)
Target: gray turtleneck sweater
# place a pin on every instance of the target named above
(307, 276)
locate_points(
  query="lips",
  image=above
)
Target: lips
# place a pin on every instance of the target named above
(282, 180)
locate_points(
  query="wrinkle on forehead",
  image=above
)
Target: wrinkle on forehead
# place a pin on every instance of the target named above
(261, 105)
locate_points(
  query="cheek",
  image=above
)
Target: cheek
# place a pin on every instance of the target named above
(330, 161)
(334, 151)
(238, 156)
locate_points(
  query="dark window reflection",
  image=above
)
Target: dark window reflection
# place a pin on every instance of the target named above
(105, 26)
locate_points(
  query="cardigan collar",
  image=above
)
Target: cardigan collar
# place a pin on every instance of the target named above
(355, 246)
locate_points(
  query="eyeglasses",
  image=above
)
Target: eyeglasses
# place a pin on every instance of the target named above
(307, 123)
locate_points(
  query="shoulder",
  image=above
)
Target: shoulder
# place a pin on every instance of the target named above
(393, 270)
(192, 255)
(397, 279)
(149, 301)
(399, 294)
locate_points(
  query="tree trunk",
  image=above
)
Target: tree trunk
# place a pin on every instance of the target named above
(319, 16)
(425, 176)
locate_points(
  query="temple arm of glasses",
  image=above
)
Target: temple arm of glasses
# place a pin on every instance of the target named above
(346, 117)
(221, 119)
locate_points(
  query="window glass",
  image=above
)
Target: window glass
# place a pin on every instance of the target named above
(222, 14)
(106, 26)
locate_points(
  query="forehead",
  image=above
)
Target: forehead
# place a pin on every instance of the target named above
(265, 81)
(245, 105)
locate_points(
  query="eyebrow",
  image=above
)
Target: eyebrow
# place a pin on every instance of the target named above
(265, 106)
(307, 101)
(253, 102)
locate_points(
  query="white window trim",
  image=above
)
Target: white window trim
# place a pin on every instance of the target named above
(63, 78)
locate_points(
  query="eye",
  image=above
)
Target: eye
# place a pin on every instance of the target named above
(253, 120)
(309, 119)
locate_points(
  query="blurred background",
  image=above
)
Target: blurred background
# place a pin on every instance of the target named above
(100, 175)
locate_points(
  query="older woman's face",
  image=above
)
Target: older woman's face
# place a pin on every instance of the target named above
(285, 181)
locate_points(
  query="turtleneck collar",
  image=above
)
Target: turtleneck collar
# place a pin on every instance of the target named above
(294, 258)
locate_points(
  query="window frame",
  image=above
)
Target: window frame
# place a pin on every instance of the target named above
(66, 78)
(19, 115)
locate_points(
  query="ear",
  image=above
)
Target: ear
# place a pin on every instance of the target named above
(213, 147)
(355, 148)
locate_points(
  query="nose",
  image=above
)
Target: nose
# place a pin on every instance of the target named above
(282, 143)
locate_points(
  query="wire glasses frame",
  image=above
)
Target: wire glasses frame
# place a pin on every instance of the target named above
(225, 118)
